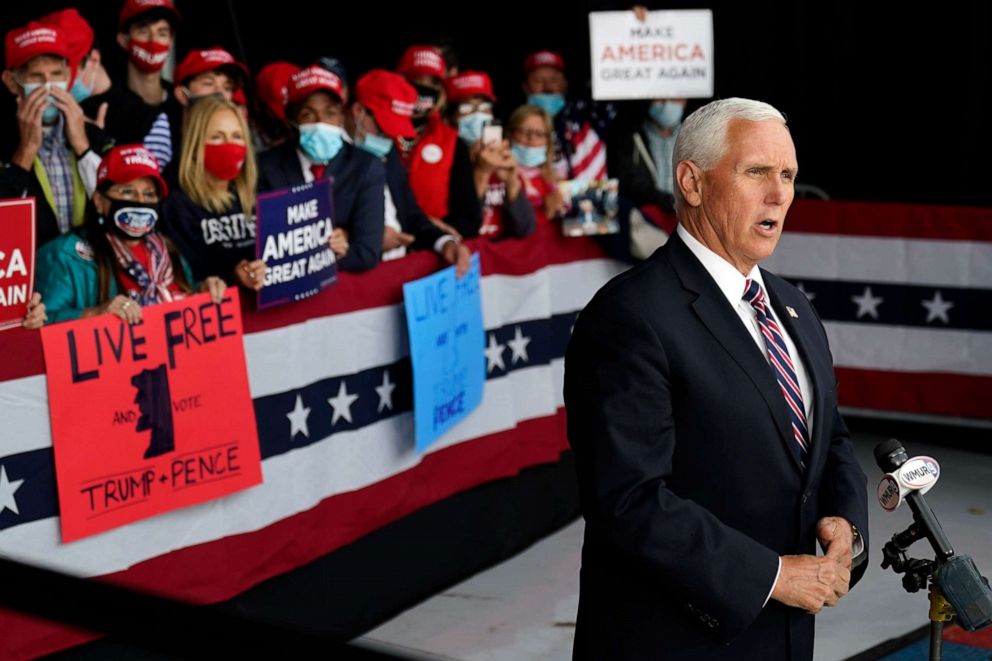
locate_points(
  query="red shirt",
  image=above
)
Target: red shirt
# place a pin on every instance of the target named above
(537, 189)
(492, 208)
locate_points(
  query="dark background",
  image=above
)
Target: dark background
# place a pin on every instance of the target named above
(884, 103)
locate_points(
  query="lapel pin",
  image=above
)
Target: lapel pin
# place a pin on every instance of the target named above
(792, 311)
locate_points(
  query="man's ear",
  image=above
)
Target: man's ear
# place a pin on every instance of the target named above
(182, 95)
(123, 39)
(689, 179)
(12, 86)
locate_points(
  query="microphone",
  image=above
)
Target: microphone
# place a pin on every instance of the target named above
(906, 480)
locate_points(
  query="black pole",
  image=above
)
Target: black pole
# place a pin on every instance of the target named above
(237, 34)
(936, 640)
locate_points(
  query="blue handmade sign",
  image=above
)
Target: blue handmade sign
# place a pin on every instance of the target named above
(294, 225)
(444, 322)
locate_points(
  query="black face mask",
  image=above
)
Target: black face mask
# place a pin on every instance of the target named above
(427, 98)
(132, 220)
(193, 100)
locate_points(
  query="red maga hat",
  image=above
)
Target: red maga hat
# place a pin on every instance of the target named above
(133, 8)
(313, 79)
(390, 99)
(271, 86)
(468, 84)
(211, 59)
(76, 32)
(422, 61)
(544, 58)
(32, 40)
(127, 163)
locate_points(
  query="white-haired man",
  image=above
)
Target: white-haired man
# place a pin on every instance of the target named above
(702, 409)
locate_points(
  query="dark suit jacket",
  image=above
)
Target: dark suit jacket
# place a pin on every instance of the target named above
(359, 196)
(409, 214)
(689, 486)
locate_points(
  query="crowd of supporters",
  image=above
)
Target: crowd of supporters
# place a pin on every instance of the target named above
(146, 187)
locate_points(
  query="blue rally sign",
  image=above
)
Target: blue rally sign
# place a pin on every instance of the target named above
(444, 322)
(294, 225)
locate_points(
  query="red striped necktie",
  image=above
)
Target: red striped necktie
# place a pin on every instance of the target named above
(781, 364)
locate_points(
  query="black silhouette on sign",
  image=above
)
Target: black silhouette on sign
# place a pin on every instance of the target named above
(155, 404)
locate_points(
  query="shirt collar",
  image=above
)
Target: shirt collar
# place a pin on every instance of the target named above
(727, 278)
(54, 135)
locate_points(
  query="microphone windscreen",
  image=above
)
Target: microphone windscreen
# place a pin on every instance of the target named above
(884, 452)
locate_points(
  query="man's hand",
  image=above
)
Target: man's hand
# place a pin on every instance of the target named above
(391, 239)
(555, 204)
(338, 242)
(29, 112)
(810, 583)
(457, 253)
(75, 121)
(837, 538)
(101, 116)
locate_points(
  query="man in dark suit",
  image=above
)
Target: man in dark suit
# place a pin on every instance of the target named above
(318, 149)
(702, 410)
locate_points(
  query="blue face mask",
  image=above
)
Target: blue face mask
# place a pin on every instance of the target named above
(553, 103)
(80, 91)
(667, 114)
(321, 142)
(376, 145)
(51, 112)
(470, 126)
(529, 157)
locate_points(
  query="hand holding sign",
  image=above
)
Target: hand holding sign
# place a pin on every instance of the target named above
(297, 242)
(444, 323)
(152, 416)
(36, 316)
(651, 55)
(251, 275)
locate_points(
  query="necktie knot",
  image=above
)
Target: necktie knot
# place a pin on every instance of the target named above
(753, 293)
(318, 170)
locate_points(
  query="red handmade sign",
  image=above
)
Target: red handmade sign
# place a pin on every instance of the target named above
(149, 417)
(16, 260)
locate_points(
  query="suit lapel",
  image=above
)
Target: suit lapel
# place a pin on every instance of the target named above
(722, 321)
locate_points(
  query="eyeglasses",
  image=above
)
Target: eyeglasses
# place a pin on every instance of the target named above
(532, 134)
(468, 107)
(134, 195)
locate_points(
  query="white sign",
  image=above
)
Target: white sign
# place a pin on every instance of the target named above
(670, 55)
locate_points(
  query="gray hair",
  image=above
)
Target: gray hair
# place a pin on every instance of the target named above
(702, 137)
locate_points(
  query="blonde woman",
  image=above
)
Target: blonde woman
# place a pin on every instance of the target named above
(532, 147)
(211, 217)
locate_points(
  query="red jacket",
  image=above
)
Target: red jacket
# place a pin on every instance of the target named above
(430, 166)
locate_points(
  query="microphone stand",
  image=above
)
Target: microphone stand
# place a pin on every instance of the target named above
(919, 575)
